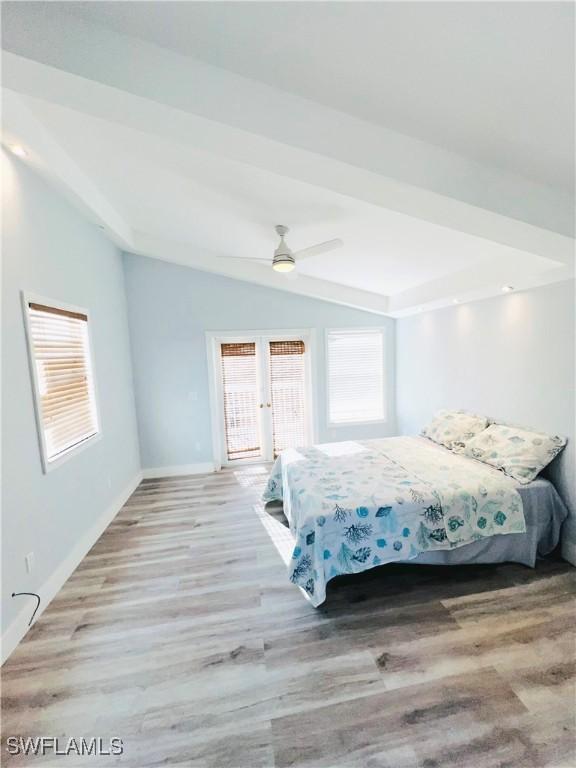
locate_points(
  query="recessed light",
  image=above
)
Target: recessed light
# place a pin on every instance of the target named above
(507, 288)
(18, 150)
(455, 301)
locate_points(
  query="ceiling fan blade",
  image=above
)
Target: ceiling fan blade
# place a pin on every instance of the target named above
(244, 258)
(316, 250)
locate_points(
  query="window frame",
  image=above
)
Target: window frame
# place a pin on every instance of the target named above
(49, 465)
(366, 422)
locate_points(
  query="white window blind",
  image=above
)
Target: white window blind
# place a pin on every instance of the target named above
(240, 391)
(355, 376)
(60, 352)
(288, 394)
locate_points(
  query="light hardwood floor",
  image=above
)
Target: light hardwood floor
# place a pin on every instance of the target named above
(181, 634)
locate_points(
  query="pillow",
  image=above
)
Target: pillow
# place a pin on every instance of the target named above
(454, 428)
(517, 452)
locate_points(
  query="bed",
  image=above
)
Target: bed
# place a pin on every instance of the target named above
(356, 505)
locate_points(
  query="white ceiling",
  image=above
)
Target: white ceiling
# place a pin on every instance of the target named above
(188, 162)
(177, 192)
(490, 80)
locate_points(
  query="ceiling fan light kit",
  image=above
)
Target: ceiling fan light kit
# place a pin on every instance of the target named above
(284, 259)
(283, 264)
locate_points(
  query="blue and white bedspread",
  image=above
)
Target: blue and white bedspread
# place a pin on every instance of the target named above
(355, 505)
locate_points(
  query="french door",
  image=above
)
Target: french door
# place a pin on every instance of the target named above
(264, 398)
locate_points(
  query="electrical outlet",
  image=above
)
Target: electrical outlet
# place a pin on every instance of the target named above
(109, 482)
(29, 560)
(192, 395)
(197, 446)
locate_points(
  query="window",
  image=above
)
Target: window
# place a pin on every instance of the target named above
(62, 376)
(355, 376)
(288, 394)
(239, 386)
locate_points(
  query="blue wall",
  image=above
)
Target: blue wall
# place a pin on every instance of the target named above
(51, 250)
(171, 307)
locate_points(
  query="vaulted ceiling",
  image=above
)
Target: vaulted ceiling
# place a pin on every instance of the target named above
(435, 139)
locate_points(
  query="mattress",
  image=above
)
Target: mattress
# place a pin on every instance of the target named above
(356, 505)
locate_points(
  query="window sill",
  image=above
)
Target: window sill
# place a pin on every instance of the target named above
(70, 452)
(336, 424)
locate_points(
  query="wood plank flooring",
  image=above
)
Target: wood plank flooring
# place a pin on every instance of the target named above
(181, 634)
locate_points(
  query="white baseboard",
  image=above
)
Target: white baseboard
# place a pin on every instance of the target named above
(182, 469)
(19, 626)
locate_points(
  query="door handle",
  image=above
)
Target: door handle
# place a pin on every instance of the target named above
(268, 405)
(261, 405)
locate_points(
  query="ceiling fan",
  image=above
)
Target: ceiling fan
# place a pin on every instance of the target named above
(284, 259)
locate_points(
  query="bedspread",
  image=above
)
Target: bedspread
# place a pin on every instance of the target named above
(355, 505)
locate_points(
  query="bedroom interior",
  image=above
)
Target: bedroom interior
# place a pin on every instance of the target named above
(288, 384)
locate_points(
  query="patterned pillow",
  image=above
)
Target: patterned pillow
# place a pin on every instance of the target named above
(454, 428)
(517, 452)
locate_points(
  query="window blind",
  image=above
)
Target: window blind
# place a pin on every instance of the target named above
(60, 350)
(240, 391)
(288, 396)
(355, 376)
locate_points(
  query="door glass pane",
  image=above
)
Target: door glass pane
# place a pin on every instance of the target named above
(288, 394)
(240, 390)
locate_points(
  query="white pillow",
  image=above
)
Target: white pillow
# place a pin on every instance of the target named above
(454, 428)
(517, 452)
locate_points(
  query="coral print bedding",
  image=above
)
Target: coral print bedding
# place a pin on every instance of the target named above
(352, 506)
